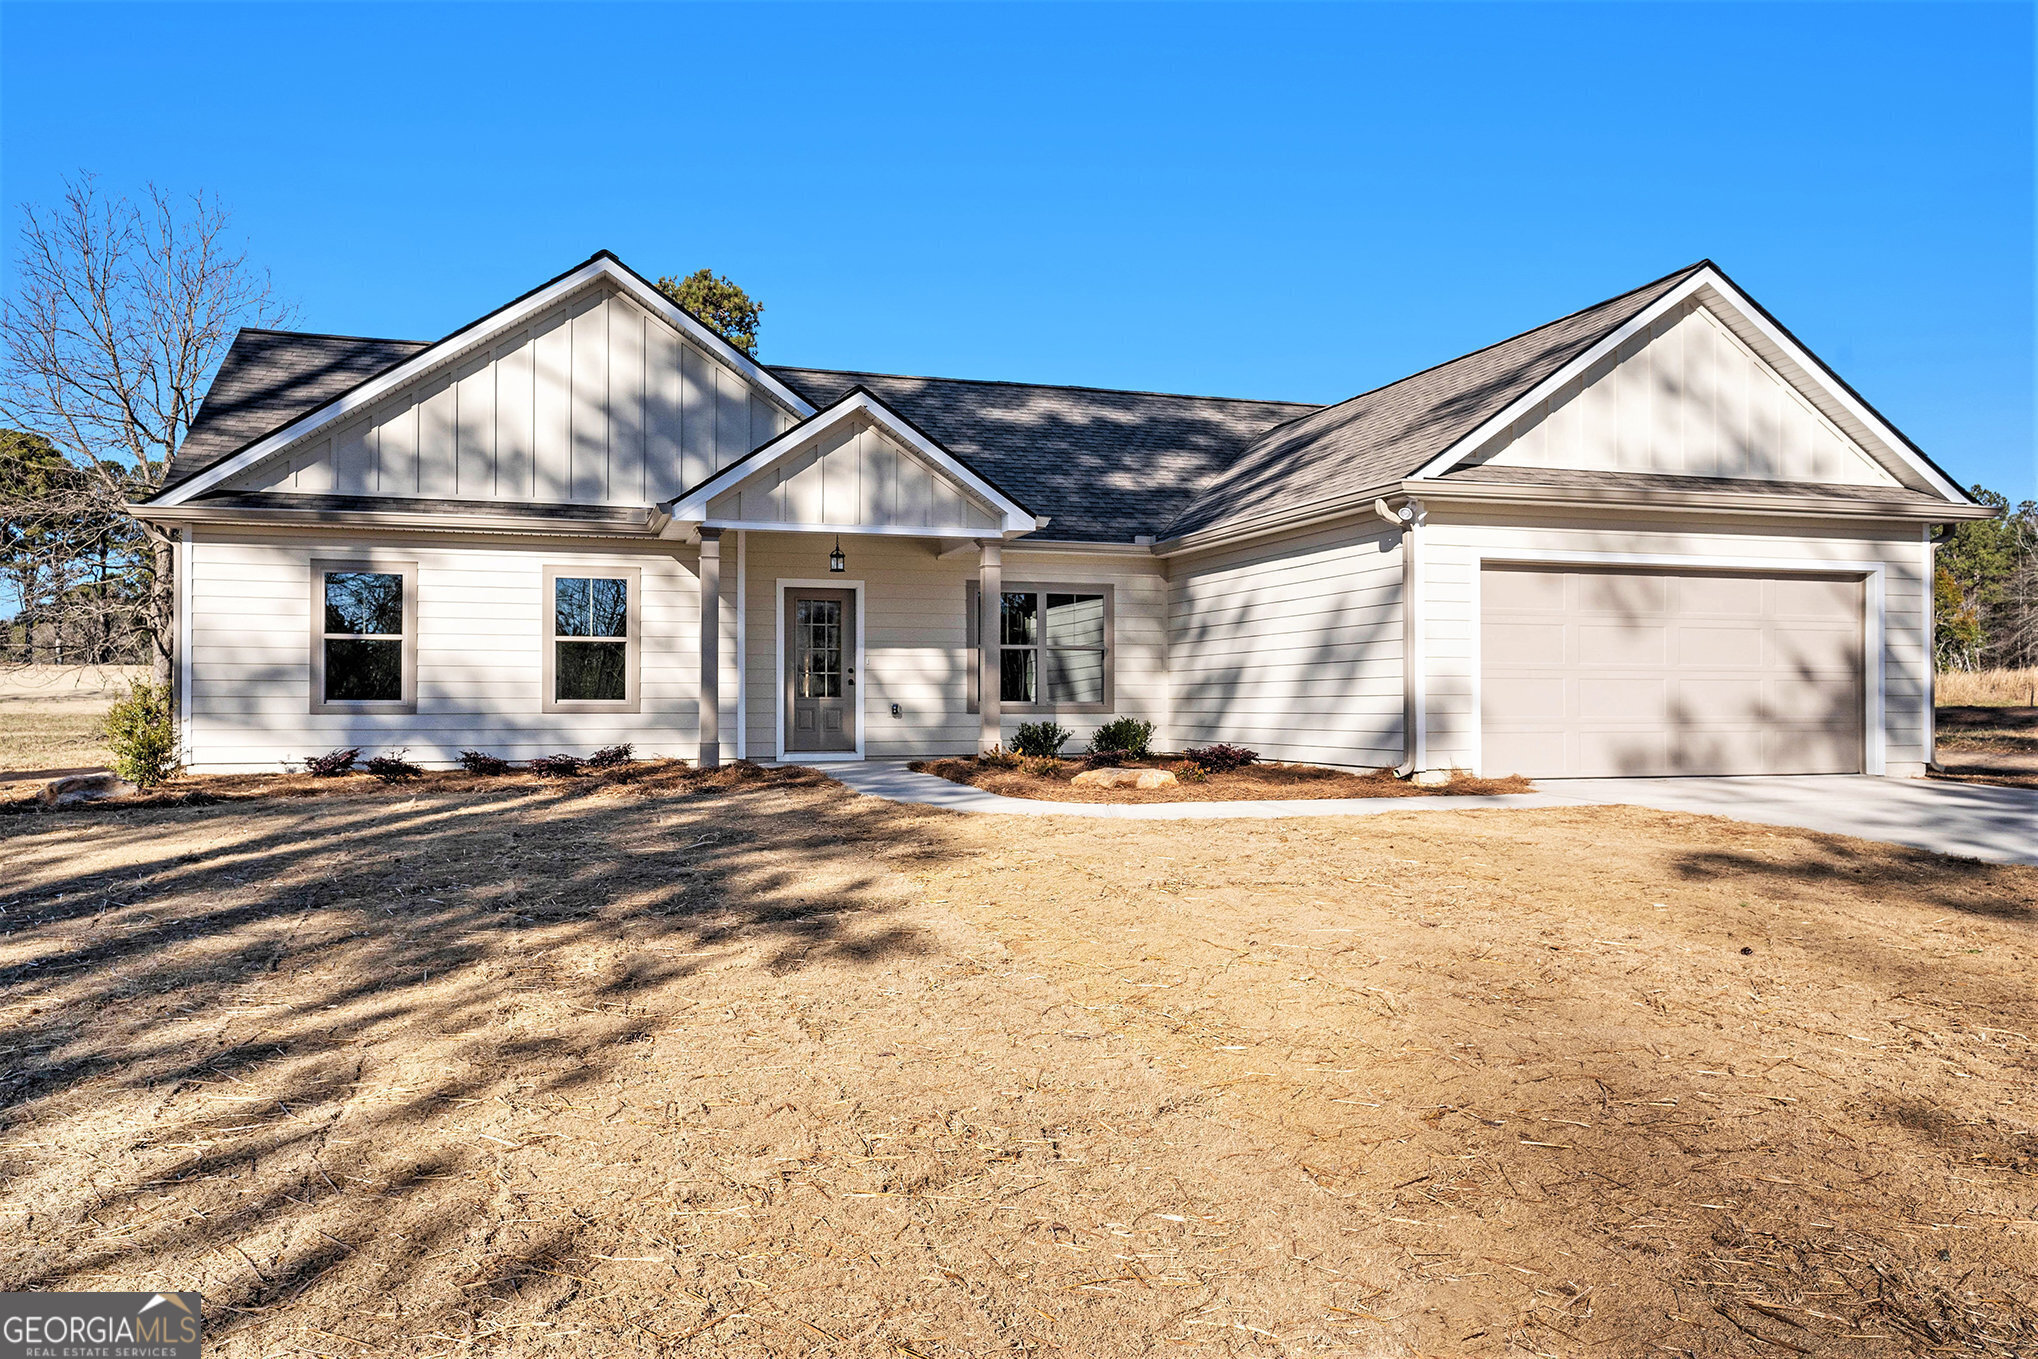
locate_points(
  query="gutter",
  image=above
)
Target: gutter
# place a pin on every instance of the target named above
(648, 527)
(1668, 499)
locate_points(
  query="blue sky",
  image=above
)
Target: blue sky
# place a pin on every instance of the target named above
(1264, 201)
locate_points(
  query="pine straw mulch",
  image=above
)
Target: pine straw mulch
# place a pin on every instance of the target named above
(643, 777)
(1269, 782)
(761, 1068)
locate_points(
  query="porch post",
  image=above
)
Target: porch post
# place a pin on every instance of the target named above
(990, 615)
(710, 754)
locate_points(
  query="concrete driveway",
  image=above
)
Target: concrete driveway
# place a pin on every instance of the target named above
(1980, 822)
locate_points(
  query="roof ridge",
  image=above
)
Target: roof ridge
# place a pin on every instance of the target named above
(332, 335)
(1519, 334)
(1047, 386)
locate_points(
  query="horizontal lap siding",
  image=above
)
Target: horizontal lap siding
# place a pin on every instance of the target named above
(1454, 550)
(481, 615)
(1291, 647)
(916, 642)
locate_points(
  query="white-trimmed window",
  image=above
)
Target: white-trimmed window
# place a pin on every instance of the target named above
(363, 636)
(1054, 647)
(591, 639)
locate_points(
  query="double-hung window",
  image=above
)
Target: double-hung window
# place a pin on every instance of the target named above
(1054, 647)
(591, 641)
(364, 637)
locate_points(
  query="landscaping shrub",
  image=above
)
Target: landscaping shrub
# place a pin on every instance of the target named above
(556, 766)
(1042, 766)
(474, 762)
(332, 762)
(1188, 771)
(1041, 739)
(1221, 759)
(999, 758)
(1127, 736)
(392, 768)
(141, 735)
(608, 757)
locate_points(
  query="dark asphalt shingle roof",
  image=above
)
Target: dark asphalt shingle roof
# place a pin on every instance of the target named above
(268, 379)
(1102, 465)
(1381, 436)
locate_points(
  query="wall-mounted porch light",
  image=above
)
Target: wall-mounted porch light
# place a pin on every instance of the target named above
(836, 561)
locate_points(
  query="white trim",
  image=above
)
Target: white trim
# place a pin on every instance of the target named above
(1874, 676)
(1930, 639)
(883, 531)
(181, 564)
(374, 389)
(1752, 315)
(692, 507)
(778, 673)
(1417, 589)
(742, 665)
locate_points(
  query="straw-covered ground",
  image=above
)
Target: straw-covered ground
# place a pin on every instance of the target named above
(1054, 781)
(742, 1065)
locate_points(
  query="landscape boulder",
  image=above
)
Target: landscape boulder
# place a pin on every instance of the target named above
(1124, 778)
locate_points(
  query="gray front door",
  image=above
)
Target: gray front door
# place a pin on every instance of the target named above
(820, 679)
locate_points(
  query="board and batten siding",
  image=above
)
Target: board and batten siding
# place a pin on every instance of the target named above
(1686, 397)
(915, 645)
(854, 474)
(1454, 547)
(480, 633)
(1291, 646)
(594, 401)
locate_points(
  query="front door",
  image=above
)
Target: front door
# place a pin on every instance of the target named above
(820, 680)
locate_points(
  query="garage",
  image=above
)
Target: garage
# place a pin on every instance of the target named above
(1596, 673)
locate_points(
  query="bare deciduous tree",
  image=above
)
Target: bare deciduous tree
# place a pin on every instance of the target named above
(120, 312)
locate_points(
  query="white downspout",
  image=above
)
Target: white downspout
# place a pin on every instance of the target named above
(1410, 518)
(742, 653)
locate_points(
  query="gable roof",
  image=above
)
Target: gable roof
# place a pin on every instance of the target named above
(1344, 451)
(1100, 465)
(691, 505)
(602, 265)
(271, 377)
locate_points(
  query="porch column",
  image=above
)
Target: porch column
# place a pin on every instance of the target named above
(711, 649)
(990, 615)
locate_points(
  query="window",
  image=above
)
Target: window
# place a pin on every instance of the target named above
(591, 646)
(1054, 648)
(364, 637)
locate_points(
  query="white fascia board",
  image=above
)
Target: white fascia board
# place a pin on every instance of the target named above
(1745, 310)
(496, 322)
(693, 506)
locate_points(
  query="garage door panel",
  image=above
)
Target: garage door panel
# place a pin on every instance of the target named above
(1604, 673)
(1718, 646)
(1638, 643)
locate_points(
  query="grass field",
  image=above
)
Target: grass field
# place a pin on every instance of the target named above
(1987, 688)
(743, 1065)
(50, 714)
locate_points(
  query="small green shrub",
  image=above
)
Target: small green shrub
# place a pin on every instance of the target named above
(1043, 740)
(143, 739)
(1125, 736)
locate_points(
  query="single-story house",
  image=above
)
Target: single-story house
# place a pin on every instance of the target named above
(1655, 536)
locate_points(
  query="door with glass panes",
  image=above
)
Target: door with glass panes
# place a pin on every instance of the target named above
(820, 680)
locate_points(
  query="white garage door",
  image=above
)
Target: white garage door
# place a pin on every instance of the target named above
(1589, 673)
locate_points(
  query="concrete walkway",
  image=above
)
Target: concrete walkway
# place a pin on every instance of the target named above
(1996, 824)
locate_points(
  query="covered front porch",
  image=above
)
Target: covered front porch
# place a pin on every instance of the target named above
(847, 572)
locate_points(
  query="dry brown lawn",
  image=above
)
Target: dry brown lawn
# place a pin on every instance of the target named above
(1988, 688)
(744, 1065)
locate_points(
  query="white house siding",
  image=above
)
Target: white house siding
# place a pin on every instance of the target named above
(1686, 397)
(1291, 646)
(595, 401)
(1454, 545)
(854, 474)
(915, 642)
(480, 630)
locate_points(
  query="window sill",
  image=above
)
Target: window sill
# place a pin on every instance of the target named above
(344, 707)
